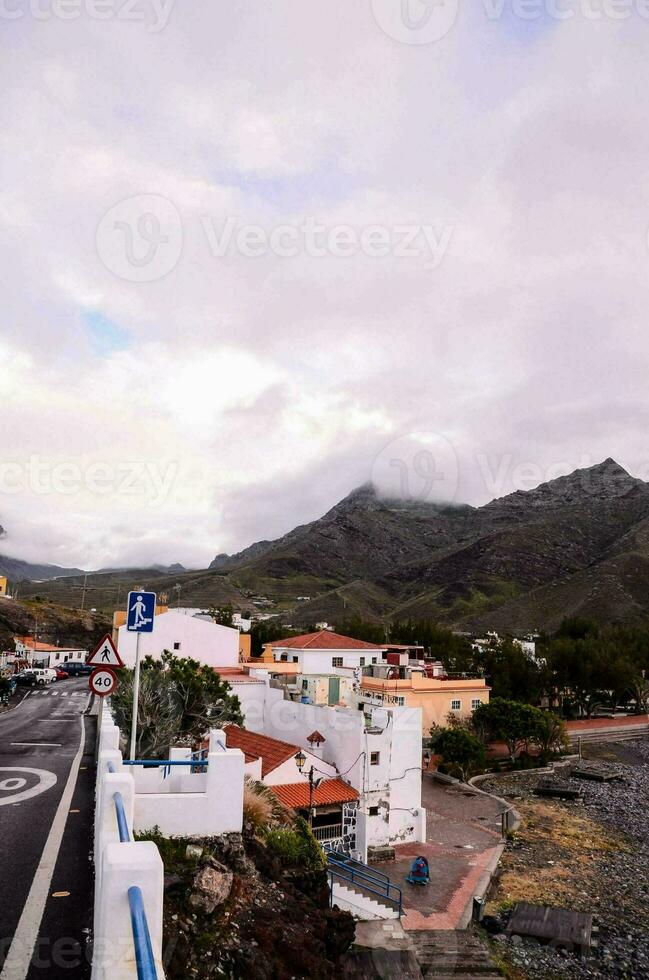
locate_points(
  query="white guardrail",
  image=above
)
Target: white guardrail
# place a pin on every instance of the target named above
(129, 874)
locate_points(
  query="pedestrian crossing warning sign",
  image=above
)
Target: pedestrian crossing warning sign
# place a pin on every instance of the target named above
(105, 654)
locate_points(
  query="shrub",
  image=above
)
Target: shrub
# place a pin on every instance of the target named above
(296, 846)
(461, 751)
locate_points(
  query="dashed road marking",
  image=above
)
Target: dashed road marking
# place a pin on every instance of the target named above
(18, 959)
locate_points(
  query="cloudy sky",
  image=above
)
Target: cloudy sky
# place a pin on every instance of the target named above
(255, 254)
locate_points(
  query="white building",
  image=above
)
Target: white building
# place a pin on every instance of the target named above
(319, 653)
(47, 654)
(184, 636)
(377, 753)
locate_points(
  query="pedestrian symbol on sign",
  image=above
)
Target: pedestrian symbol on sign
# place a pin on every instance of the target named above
(141, 612)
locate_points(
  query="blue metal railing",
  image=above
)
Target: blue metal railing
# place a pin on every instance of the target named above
(340, 858)
(122, 823)
(144, 958)
(156, 763)
(353, 872)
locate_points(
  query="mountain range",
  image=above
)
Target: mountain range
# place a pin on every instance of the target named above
(575, 546)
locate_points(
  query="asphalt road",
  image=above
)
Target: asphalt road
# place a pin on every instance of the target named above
(46, 817)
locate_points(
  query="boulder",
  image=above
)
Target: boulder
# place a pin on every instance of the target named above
(211, 887)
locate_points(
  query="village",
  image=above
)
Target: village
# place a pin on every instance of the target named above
(372, 746)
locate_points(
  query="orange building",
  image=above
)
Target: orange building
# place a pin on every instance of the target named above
(437, 697)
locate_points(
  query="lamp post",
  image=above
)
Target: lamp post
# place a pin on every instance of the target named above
(300, 762)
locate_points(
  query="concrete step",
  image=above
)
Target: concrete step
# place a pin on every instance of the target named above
(457, 954)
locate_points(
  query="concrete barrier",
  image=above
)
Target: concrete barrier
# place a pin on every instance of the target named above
(129, 874)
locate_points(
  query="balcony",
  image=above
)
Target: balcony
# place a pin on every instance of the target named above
(328, 833)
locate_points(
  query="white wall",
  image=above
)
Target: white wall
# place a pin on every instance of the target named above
(207, 642)
(393, 785)
(321, 661)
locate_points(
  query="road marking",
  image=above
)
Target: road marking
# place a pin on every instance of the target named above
(53, 745)
(46, 780)
(22, 946)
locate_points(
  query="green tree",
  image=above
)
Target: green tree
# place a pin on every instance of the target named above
(179, 701)
(551, 734)
(222, 614)
(511, 722)
(460, 750)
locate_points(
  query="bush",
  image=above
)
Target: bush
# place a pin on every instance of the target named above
(296, 846)
(463, 753)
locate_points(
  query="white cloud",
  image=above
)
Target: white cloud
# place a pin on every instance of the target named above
(272, 384)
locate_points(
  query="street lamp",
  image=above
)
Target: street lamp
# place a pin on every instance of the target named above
(300, 762)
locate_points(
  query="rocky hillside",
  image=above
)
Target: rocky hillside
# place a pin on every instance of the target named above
(578, 545)
(235, 909)
(50, 623)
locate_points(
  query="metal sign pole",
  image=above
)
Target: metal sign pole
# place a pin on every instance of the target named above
(136, 696)
(100, 715)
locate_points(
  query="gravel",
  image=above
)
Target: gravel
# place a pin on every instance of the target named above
(619, 892)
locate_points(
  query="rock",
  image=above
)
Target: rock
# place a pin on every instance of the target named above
(211, 887)
(193, 852)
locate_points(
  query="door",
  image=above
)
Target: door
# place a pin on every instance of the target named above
(334, 690)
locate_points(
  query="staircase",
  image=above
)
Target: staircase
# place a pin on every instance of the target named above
(365, 892)
(449, 955)
(361, 904)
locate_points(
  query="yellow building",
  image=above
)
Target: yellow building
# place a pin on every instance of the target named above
(3, 585)
(436, 697)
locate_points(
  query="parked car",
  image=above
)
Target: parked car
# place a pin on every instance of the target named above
(77, 669)
(35, 677)
(61, 675)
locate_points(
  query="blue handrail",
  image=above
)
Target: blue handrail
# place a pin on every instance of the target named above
(122, 824)
(144, 959)
(156, 763)
(340, 858)
(382, 893)
(367, 879)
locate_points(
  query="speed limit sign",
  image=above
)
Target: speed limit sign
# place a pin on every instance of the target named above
(103, 681)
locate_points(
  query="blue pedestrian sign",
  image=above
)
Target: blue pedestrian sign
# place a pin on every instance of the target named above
(140, 612)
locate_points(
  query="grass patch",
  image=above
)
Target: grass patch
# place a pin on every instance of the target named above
(555, 857)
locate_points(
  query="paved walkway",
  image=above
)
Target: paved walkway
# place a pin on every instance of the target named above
(463, 843)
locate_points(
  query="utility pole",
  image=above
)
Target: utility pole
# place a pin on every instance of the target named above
(83, 594)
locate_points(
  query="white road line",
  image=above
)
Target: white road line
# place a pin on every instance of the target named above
(21, 949)
(55, 745)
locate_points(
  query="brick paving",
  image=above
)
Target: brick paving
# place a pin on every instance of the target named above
(463, 837)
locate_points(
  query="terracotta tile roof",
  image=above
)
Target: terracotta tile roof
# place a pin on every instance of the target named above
(324, 640)
(316, 737)
(296, 795)
(43, 647)
(271, 751)
(234, 676)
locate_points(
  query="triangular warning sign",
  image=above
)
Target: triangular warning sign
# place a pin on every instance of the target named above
(105, 654)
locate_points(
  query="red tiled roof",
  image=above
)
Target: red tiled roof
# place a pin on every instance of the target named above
(324, 640)
(234, 676)
(35, 645)
(271, 751)
(316, 737)
(296, 795)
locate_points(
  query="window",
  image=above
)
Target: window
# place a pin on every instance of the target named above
(374, 660)
(296, 660)
(375, 758)
(362, 661)
(305, 684)
(475, 703)
(456, 705)
(336, 661)
(176, 646)
(373, 811)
